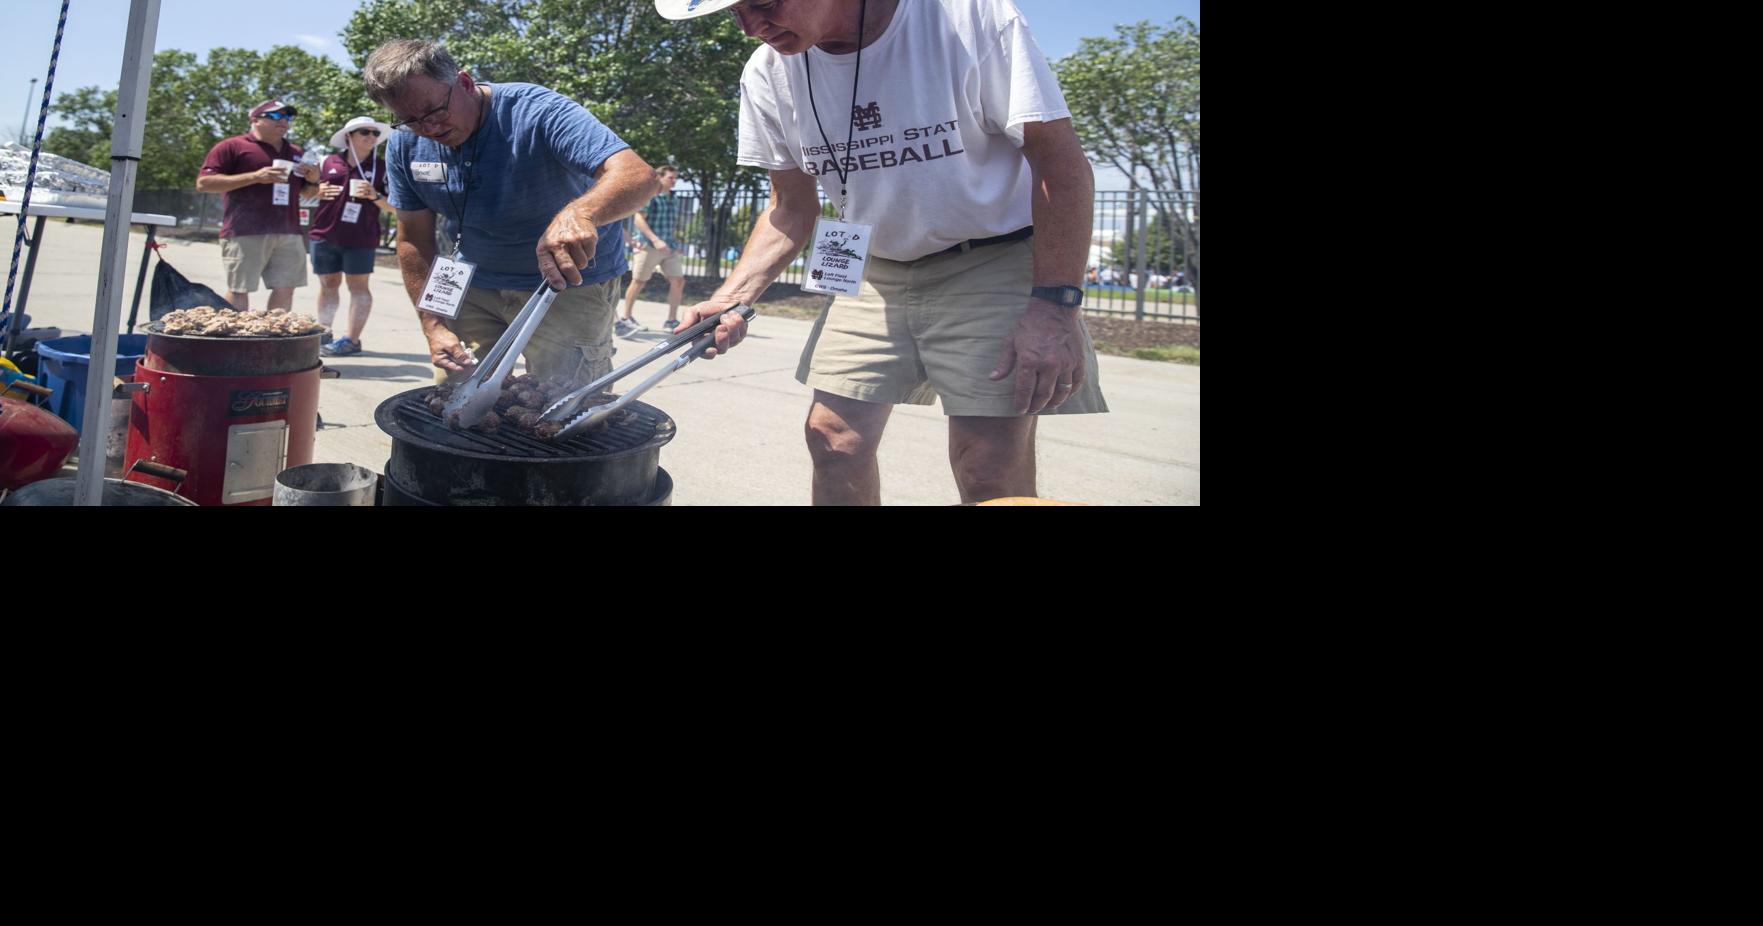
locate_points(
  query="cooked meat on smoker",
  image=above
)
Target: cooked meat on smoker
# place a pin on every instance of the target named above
(210, 323)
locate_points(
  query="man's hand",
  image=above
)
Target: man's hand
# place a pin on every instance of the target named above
(660, 245)
(446, 351)
(1046, 351)
(329, 191)
(567, 248)
(728, 334)
(268, 174)
(307, 171)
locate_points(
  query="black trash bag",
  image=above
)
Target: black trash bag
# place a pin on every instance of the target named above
(172, 292)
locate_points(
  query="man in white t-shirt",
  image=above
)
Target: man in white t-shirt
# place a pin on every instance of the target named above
(960, 170)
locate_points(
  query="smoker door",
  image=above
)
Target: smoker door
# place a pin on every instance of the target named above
(255, 453)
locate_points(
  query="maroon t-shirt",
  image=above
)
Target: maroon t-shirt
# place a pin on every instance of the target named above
(251, 210)
(327, 222)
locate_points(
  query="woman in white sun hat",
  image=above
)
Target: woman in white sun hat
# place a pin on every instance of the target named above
(346, 228)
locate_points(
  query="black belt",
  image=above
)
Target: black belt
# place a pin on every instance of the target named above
(966, 246)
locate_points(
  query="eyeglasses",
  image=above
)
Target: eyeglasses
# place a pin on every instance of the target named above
(374, 132)
(434, 116)
(279, 117)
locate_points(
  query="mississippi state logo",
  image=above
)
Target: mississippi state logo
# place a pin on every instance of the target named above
(866, 118)
(818, 274)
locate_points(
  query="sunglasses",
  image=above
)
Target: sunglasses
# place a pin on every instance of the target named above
(279, 117)
(374, 132)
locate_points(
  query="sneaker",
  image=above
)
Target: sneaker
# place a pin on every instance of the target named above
(626, 327)
(343, 347)
(670, 324)
(324, 339)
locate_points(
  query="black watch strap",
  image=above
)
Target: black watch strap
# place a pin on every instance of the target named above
(1069, 297)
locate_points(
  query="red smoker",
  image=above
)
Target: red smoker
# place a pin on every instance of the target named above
(233, 412)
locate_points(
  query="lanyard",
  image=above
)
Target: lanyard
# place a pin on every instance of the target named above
(363, 170)
(851, 133)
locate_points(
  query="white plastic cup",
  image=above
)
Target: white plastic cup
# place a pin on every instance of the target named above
(283, 165)
(360, 189)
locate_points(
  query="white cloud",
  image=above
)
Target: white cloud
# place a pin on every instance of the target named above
(317, 43)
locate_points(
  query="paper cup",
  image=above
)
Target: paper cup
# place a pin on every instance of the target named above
(360, 189)
(285, 166)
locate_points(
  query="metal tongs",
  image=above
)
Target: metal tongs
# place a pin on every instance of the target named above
(473, 400)
(568, 408)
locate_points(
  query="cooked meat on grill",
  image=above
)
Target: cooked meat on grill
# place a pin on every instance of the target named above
(522, 400)
(522, 417)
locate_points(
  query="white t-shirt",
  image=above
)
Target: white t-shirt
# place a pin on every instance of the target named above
(935, 157)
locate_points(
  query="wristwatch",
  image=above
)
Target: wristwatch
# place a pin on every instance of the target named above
(1069, 297)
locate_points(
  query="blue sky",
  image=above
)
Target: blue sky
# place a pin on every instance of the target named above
(91, 52)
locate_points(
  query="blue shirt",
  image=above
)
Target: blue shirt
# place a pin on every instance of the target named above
(536, 151)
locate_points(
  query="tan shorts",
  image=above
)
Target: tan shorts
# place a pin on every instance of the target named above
(933, 328)
(649, 260)
(279, 260)
(575, 339)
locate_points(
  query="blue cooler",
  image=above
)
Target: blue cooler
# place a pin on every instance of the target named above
(62, 365)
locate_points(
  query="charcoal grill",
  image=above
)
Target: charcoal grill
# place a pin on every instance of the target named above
(617, 463)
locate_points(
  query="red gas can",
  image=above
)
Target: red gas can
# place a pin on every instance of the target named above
(233, 412)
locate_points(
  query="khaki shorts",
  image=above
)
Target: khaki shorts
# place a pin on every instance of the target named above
(574, 341)
(933, 328)
(649, 260)
(279, 260)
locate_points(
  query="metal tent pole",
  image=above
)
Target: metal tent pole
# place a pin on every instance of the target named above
(125, 162)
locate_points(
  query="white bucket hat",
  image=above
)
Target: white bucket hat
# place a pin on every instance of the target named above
(341, 139)
(690, 9)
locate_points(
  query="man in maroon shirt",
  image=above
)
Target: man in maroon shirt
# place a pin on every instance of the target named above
(260, 228)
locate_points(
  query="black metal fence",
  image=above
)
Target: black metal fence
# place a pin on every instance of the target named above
(1139, 264)
(1140, 248)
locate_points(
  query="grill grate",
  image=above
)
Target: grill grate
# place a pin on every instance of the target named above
(640, 426)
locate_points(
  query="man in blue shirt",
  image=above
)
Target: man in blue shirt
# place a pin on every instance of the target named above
(531, 186)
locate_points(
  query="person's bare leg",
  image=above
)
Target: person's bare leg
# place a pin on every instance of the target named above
(360, 304)
(992, 457)
(630, 296)
(281, 299)
(329, 295)
(676, 290)
(843, 435)
(240, 301)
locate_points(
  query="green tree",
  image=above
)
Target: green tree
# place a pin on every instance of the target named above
(193, 104)
(1135, 102)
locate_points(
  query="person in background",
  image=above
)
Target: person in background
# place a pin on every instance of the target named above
(346, 228)
(260, 236)
(657, 250)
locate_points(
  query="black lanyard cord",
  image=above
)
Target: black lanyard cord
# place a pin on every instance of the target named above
(464, 203)
(851, 133)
